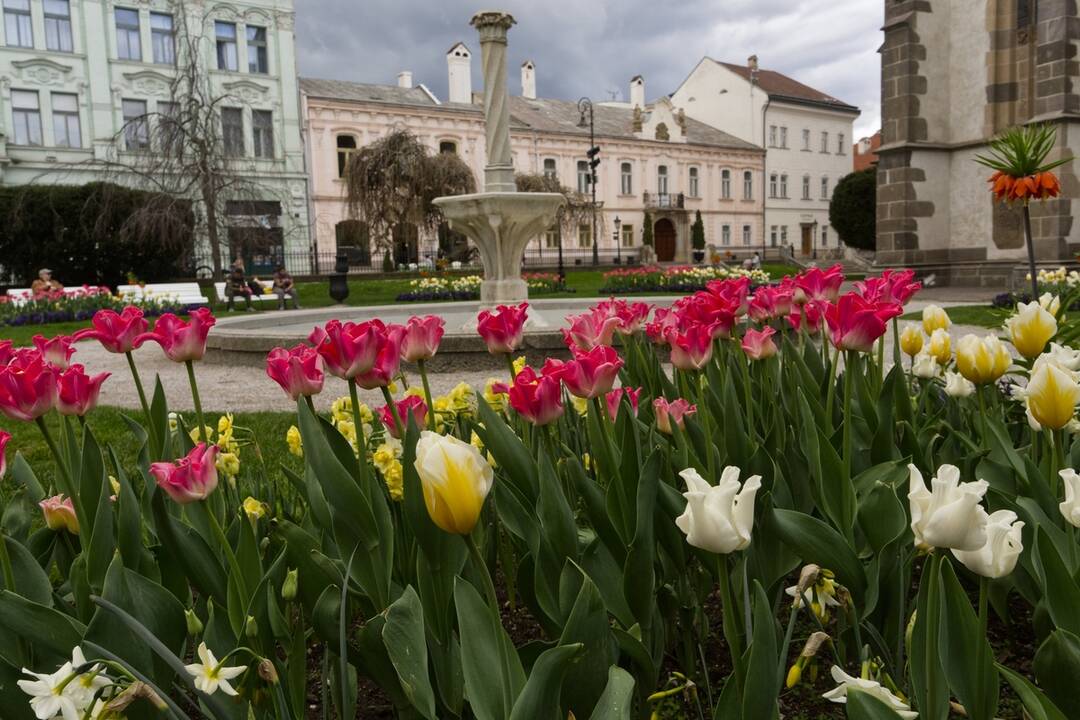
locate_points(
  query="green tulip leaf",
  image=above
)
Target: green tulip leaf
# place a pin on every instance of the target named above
(52, 633)
(1037, 705)
(762, 682)
(862, 705)
(930, 688)
(31, 582)
(617, 700)
(405, 642)
(1060, 591)
(588, 627)
(201, 565)
(815, 542)
(490, 685)
(539, 698)
(966, 655)
(1057, 668)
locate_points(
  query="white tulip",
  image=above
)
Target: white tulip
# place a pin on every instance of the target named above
(870, 687)
(924, 366)
(210, 674)
(455, 479)
(957, 386)
(998, 556)
(1070, 509)
(948, 515)
(1062, 356)
(718, 519)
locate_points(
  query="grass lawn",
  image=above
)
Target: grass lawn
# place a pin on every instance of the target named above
(980, 315)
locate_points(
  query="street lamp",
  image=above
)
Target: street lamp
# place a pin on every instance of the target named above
(618, 245)
(593, 153)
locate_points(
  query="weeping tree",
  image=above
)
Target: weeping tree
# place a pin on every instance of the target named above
(577, 210)
(395, 180)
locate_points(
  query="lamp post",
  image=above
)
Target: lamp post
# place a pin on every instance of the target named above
(558, 238)
(618, 244)
(585, 106)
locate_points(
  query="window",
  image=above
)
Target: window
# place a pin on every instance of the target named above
(840, 144)
(626, 174)
(128, 42)
(18, 26)
(783, 235)
(725, 184)
(225, 33)
(262, 133)
(806, 139)
(258, 57)
(824, 235)
(748, 185)
(694, 184)
(661, 180)
(805, 187)
(582, 176)
(549, 168)
(551, 238)
(745, 234)
(783, 186)
(772, 136)
(136, 128)
(58, 25)
(584, 235)
(162, 38)
(772, 185)
(65, 112)
(783, 137)
(627, 235)
(772, 236)
(824, 142)
(26, 117)
(232, 131)
(725, 235)
(824, 188)
(346, 146)
(169, 125)
(446, 147)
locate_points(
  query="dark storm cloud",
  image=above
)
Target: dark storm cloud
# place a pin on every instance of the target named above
(594, 47)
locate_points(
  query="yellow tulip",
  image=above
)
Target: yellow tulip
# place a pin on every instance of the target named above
(940, 346)
(456, 480)
(982, 360)
(934, 318)
(1052, 394)
(911, 340)
(1030, 329)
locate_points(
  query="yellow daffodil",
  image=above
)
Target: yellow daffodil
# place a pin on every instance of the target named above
(982, 360)
(207, 434)
(254, 509)
(911, 340)
(456, 480)
(496, 401)
(581, 405)
(1030, 329)
(934, 318)
(387, 460)
(462, 399)
(1052, 394)
(228, 464)
(115, 485)
(519, 364)
(225, 424)
(292, 439)
(341, 409)
(940, 346)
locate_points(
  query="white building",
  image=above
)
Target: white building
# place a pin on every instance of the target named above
(806, 133)
(76, 76)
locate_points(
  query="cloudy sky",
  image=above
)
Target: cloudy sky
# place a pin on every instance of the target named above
(594, 47)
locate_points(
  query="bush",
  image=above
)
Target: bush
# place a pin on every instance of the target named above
(853, 209)
(647, 235)
(83, 233)
(697, 232)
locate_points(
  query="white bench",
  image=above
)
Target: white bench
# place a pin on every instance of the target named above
(219, 289)
(188, 293)
(21, 295)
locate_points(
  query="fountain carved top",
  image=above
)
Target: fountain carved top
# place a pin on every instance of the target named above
(492, 24)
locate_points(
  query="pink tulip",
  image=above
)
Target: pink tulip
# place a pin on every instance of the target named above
(349, 349)
(716, 311)
(614, 400)
(855, 323)
(818, 284)
(734, 292)
(59, 514)
(591, 329)
(808, 316)
(6, 352)
(503, 329)
(27, 386)
(758, 344)
(676, 411)
(181, 341)
(663, 319)
(768, 303)
(537, 398)
(691, 348)
(117, 333)
(5, 438)
(299, 370)
(590, 374)
(76, 392)
(57, 351)
(895, 287)
(190, 478)
(386, 366)
(419, 338)
(630, 315)
(412, 405)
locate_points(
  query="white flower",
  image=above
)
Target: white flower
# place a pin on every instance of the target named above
(870, 687)
(924, 366)
(949, 515)
(1070, 509)
(1050, 303)
(957, 386)
(210, 674)
(1064, 357)
(63, 694)
(718, 519)
(998, 556)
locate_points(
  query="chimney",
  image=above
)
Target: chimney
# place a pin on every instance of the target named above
(459, 66)
(528, 80)
(404, 79)
(637, 91)
(751, 62)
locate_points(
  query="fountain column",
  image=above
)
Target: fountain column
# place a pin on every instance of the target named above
(499, 172)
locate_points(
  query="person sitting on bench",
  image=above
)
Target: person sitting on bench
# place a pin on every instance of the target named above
(236, 284)
(285, 287)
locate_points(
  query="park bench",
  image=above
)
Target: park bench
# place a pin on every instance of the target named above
(268, 285)
(18, 296)
(188, 293)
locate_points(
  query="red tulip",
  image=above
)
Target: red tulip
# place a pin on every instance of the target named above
(855, 323)
(59, 513)
(386, 366)
(349, 349)
(6, 352)
(591, 329)
(590, 374)
(181, 341)
(419, 338)
(57, 351)
(691, 348)
(76, 392)
(117, 333)
(630, 315)
(614, 400)
(758, 344)
(663, 319)
(299, 370)
(734, 292)
(503, 329)
(27, 386)
(897, 287)
(676, 411)
(5, 437)
(537, 398)
(413, 404)
(190, 478)
(818, 284)
(809, 315)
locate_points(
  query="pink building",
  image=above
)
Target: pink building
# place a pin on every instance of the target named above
(656, 163)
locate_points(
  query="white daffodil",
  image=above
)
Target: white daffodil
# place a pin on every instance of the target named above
(949, 515)
(870, 687)
(210, 674)
(1070, 509)
(63, 694)
(718, 519)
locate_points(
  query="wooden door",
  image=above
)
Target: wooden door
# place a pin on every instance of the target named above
(664, 238)
(807, 239)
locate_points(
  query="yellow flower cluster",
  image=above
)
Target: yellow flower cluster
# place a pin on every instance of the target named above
(387, 460)
(496, 401)
(341, 416)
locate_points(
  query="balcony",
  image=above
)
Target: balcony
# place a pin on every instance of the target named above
(665, 201)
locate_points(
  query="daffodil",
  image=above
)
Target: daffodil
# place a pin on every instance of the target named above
(254, 509)
(210, 674)
(293, 440)
(387, 460)
(228, 464)
(225, 424)
(519, 364)
(65, 694)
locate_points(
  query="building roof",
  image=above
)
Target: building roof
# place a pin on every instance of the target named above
(541, 115)
(782, 87)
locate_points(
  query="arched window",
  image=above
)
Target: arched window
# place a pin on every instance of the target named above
(748, 185)
(549, 168)
(626, 172)
(582, 176)
(346, 146)
(661, 180)
(448, 146)
(725, 184)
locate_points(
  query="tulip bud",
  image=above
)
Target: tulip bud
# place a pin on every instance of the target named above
(911, 340)
(194, 624)
(251, 627)
(289, 587)
(940, 346)
(934, 318)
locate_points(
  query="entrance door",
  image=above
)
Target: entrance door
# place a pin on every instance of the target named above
(664, 238)
(807, 239)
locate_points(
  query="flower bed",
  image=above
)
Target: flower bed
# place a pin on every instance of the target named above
(78, 304)
(785, 522)
(429, 289)
(685, 279)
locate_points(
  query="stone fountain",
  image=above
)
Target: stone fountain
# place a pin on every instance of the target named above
(500, 220)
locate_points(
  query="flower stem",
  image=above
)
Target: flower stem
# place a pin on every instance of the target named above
(142, 396)
(230, 556)
(65, 472)
(493, 603)
(195, 399)
(510, 366)
(358, 422)
(1030, 253)
(393, 410)
(427, 394)
(706, 418)
(730, 618)
(849, 382)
